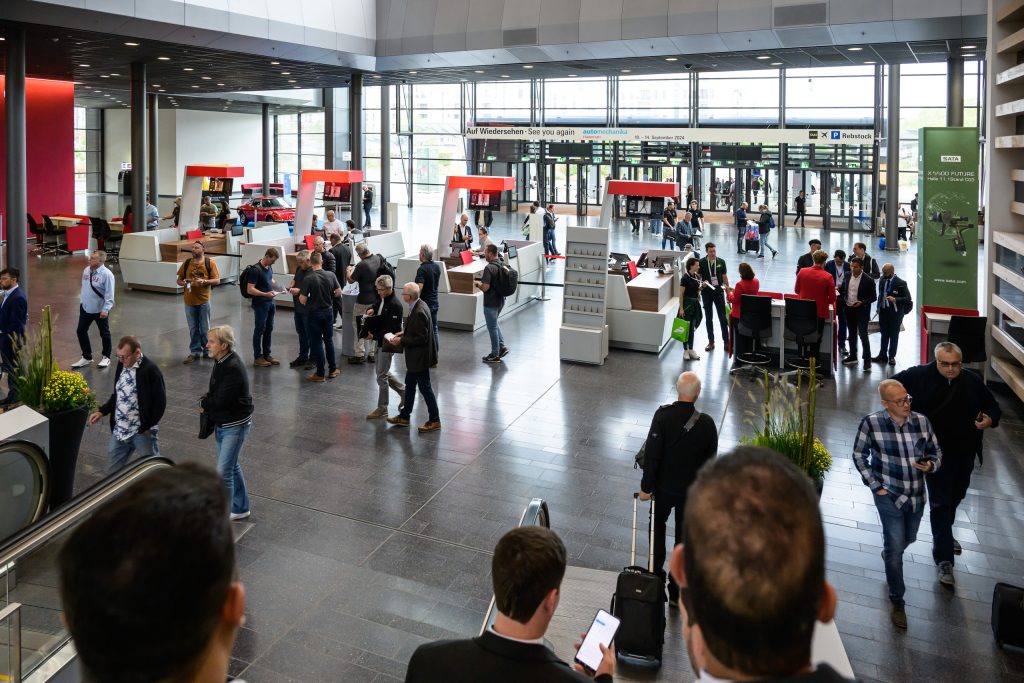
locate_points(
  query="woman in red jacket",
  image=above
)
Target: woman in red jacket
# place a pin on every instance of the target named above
(748, 284)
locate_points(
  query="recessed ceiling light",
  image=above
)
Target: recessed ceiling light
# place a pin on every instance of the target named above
(625, 71)
(764, 56)
(478, 71)
(207, 78)
(289, 73)
(275, 63)
(968, 47)
(969, 54)
(776, 63)
(377, 76)
(572, 75)
(291, 81)
(220, 84)
(188, 68)
(104, 76)
(296, 86)
(195, 86)
(162, 90)
(164, 59)
(869, 62)
(413, 73)
(504, 75)
(671, 59)
(84, 66)
(527, 66)
(855, 49)
(115, 75)
(132, 44)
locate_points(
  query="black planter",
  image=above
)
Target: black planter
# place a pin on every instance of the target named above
(66, 430)
(819, 485)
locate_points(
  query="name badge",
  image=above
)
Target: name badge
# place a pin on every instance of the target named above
(714, 281)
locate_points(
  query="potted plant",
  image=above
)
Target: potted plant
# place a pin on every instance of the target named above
(63, 397)
(787, 425)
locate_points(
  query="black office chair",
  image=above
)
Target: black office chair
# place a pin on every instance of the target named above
(53, 235)
(111, 242)
(96, 227)
(968, 332)
(802, 327)
(40, 235)
(754, 325)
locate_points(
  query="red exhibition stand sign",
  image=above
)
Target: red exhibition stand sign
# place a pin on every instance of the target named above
(942, 310)
(307, 193)
(632, 188)
(475, 184)
(192, 190)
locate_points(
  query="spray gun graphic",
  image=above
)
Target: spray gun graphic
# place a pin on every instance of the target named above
(953, 227)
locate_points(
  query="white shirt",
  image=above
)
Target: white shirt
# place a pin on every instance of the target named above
(532, 641)
(334, 226)
(853, 288)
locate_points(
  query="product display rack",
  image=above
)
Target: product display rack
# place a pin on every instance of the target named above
(584, 333)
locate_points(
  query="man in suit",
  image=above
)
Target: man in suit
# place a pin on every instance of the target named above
(419, 345)
(807, 260)
(894, 302)
(856, 296)
(713, 272)
(870, 265)
(13, 319)
(526, 571)
(839, 269)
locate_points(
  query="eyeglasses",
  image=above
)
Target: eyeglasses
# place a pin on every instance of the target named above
(125, 356)
(905, 401)
(949, 366)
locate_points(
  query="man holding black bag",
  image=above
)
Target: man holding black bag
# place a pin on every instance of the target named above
(383, 319)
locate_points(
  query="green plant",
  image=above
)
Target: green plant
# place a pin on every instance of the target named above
(787, 424)
(41, 385)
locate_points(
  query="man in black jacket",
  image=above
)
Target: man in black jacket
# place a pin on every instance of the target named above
(855, 296)
(383, 319)
(960, 408)
(894, 302)
(135, 406)
(526, 571)
(677, 447)
(807, 260)
(420, 348)
(752, 571)
(343, 257)
(870, 265)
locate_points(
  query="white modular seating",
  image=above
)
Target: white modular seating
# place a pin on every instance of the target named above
(637, 330)
(142, 267)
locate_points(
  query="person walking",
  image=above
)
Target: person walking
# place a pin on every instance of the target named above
(95, 302)
(681, 439)
(494, 301)
(856, 295)
(550, 220)
(765, 224)
(365, 273)
(319, 288)
(713, 295)
(261, 289)
(197, 275)
(668, 225)
(417, 343)
(367, 205)
(135, 406)
(894, 302)
(894, 449)
(960, 408)
(801, 208)
(13, 320)
(299, 311)
(741, 227)
(175, 215)
(839, 269)
(152, 215)
(691, 285)
(428, 277)
(228, 405)
(384, 319)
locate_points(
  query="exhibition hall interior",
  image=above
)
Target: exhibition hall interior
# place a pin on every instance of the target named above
(331, 330)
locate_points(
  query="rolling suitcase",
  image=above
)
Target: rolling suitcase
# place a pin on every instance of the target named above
(1008, 614)
(639, 603)
(752, 245)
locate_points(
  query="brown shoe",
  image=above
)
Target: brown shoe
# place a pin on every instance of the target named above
(261, 363)
(334, 373)
(356, 360)
(898, 614)
(189, 359)
(398, 420)
(315, 378)
(271, 360)
(430, 427)
(377, 414)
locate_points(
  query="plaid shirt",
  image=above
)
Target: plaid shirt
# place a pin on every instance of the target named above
(891, 450)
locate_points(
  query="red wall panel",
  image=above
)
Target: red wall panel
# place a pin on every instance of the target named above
(49, 147)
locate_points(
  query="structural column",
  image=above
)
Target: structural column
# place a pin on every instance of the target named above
(138, 134)
(17, 175)
(355, 126)
(385, 154)
(154, 152)
(955, 92)
(876, 150)
(266, 147)
(892, 161)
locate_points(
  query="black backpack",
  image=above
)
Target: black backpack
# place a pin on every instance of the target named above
(506, 280)
(385, 268)
(188, 264)
(243, 280)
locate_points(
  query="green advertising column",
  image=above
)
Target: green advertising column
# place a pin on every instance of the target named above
(947, 229)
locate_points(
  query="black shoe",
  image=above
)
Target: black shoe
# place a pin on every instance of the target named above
(491, 358)
(850, 360)
(957, 550)
(356, 360)
(297, 362)
(892, 361)
(879, 358)
(867, 366)
(503, 351)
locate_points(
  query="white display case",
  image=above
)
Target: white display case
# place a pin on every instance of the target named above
(584, 332)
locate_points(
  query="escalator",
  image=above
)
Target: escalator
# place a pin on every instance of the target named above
(34, 646)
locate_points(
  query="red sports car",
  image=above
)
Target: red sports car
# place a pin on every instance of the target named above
(274, 209)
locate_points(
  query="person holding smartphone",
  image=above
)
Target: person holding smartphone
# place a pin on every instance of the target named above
(895, 448)
(526, 571)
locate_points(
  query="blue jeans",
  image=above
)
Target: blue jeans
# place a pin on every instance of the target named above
(321, 339)
(301, 329)
(262, 329)
(493, 331)
(198, 318)
(229, 446)
(120, 452)
(366, 215)
(671, 241)
(764, 244)
(437, 329)
(656, 225)
(549, 241)
(899, 530)
(421, 380)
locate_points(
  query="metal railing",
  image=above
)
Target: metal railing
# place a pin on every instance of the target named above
(535, 514)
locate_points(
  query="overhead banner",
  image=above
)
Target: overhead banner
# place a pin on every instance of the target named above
(763, 136)
(947, 250)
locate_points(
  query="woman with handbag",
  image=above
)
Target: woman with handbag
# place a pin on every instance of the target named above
(689, 308)
(227, 412)
(765, 224)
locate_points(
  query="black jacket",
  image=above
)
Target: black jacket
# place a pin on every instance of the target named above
(805, 261)
(870, 266)
(671, 458)
(898, 289)
(228, 399)
(149, 384)
(13, 319)
(418, 339)
(865, 292)
(823, 673)
(342, 260)
(388, 320)
(489, 659)
(330, 264)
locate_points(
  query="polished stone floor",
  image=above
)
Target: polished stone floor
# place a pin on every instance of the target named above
(366, 540)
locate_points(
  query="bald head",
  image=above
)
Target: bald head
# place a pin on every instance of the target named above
(411, 290)
(688, 387)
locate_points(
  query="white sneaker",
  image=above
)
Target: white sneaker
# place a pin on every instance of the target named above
(104, 362)
(81, 362)
(235, 516)
(338, 325)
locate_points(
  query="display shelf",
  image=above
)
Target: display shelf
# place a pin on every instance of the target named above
(1017, 208)
(584, 284)
(1010, 12)
(1011, 43)
(1008, 309)
(1012, 374)
(586, 257)
(1011, 240)
(1012, 108)
(1011, 75)
(1010, 142)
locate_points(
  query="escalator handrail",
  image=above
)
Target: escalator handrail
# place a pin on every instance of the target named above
(535, 514)
(35, 535)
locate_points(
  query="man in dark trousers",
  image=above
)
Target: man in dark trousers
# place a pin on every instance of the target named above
(807, 260)
(960, 408)
(713, 273)
(815, 284)
(856, 296)
(894, 302)
(420, 349)
(801, 209)
(839, 269)
(526, 572)
(383, 319)
(741, 227)
(319, 289)
(343, 257)
(367, 204)
(13, 319)
(679, 442)
(869, 264)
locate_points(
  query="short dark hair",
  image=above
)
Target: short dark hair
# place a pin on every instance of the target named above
(350, 224)
(839, 254)
(334, 238)
(491, 249)
(689, 263)
(316, 258)
(861, 245)
(271, 253)
(11, 271)
(135, 610)
(528, 562)
(813, 242)
(709, 245)
(131, 341)
(755, 561)
(746, 272)
(200, 243)
(858, 260)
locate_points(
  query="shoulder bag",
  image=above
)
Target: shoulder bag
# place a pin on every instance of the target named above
(638, 459)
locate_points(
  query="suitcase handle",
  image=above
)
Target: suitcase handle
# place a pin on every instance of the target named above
(650, 526)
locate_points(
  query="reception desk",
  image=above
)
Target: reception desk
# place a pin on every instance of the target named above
(150, 260)
(640, 312)
(177, 251)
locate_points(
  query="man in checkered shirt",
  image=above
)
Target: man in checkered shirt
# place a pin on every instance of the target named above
(895, 448)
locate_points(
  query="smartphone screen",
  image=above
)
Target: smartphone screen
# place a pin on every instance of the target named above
(602, 631)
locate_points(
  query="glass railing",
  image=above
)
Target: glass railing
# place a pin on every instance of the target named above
(31, 632)
(535, 514)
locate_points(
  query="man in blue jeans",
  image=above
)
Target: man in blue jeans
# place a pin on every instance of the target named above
(894, 450)
(261, 291)
(493, 303)
(197, 275)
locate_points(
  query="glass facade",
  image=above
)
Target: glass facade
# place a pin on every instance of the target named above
(88, 150)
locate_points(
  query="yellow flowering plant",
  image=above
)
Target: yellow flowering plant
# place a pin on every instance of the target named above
(40, 384)
(66, 390)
